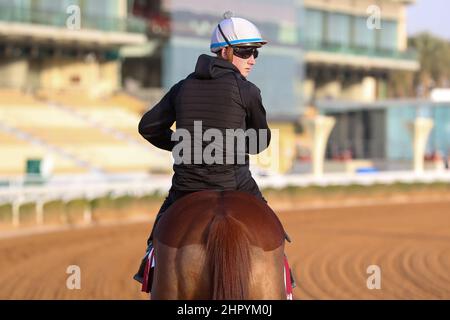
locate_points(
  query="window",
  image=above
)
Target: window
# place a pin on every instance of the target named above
(388, 35)
(313, 27)
(103, 8)
(15, 3)
(363, 36)
(338, 29)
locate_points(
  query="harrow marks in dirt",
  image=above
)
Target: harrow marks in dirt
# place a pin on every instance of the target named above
(330, 253)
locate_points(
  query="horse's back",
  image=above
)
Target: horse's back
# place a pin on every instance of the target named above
(186, 220)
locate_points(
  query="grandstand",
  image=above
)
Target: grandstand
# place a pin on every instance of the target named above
(15, 152)
(61, 98)
(79, 137)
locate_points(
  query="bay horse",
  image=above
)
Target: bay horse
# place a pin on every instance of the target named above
(225, 245)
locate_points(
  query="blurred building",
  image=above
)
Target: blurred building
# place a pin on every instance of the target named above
(330, 57)
(353, 47)
(349, 63)
(41, 46)
(352, 50)
(323, 57)
(61, 99)
(181, 31)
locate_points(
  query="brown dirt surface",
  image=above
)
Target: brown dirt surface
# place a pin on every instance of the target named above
(331, 250)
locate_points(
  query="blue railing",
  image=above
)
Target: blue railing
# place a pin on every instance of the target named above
(363, 51)
(59, 18)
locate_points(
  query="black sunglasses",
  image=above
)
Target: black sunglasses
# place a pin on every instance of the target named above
(245, 52)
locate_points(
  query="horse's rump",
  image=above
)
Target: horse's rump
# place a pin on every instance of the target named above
(219, 245)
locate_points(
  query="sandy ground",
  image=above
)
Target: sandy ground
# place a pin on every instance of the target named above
(330, 253)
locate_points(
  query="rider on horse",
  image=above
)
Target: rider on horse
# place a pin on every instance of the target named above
(218, 94)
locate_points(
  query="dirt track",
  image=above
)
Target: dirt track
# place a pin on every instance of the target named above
(330, 253)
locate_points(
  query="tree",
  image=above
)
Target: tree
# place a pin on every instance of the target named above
(434, 57)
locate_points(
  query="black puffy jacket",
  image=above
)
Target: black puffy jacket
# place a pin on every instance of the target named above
(219, 96)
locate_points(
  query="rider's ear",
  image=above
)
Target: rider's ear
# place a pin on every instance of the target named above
(226, 54)
(229, 54)
(223, 53)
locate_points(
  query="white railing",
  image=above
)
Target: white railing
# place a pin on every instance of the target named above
(343, 179)
(90, 186)
(70, 187)
(67, 188)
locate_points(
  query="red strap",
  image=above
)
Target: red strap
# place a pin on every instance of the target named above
(287, 279)
(148, 265)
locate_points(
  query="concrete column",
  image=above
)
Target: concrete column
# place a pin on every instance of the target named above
(352, 90)
(286, 149)
(331, 89)
(16, 213)
(122, 8)
(51, 74)
(320, 128)
(369, 85)
(110, 76)
(308, 88)
(402, 34)
(269, 159)
(39, 213)
(420, 129)
(13, 72)
(361, 90)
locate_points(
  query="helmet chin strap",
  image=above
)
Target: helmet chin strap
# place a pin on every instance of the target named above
(229, 49)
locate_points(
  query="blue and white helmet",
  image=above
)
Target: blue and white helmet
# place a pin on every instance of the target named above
(235, 32)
